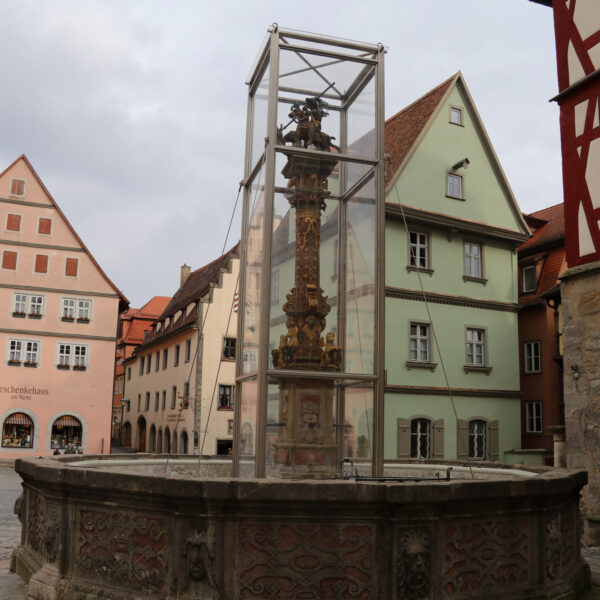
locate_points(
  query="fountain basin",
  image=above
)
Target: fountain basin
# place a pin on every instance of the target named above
(94, 528)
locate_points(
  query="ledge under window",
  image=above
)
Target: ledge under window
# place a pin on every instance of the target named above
(63, 367)
(18, 314)
(415, 364)
(477, 369)
(30, 364)
(83, 320)
(34, 316)
(68, 319)
(455, 197)
(475, 279)
(14, 363)
(79, 367)
(411, 269)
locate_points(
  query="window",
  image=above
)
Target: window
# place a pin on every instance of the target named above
(188, 348)
(275, 286)
(36, 304)
(17, 431)
(456, 115)
(477, 439)
(142, 361)
(139, 401)
(419, 250)
(147, 402)
(529, 282)
(15, 348)
(71, 266)
(419, 438)
(532, 357)
(128, 373)
(165, 358)
(173, 397)
(68, 309)
(229, 348)
(176, 358)
(419, 342)
(44, 226)
(225, 396)
(534, 417)
(249, 361)
(164, 400)
(64, 356)
(84, 311)
(156, 401)
(148, 363)
(9, 260)
(20, 306)
(186, 390)
(41, 263)
(13, 222)
(17, 187)
(455, 187)
(473, 260)
(229, 426)
(157, 361)
(475, 347)
(80, 357)
(32, 350)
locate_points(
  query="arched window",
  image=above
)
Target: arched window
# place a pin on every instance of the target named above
(159, 447)
(477, 439)
(175, 442)
(420, 430)
(183, 444)
(167, 446)
(152, 438)
(66, 429)
(17, 431)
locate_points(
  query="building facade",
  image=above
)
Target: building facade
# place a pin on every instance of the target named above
(178, 385)
(541, 263)
(452, 229)
(57, 329)
(133, 324)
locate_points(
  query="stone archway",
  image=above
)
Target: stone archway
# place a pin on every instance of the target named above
(183, 443)
(152, 440)
(159, 444)
(141, 437)
(167, 445)
(127, 434)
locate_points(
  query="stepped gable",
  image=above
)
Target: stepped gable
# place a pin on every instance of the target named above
(403, 129)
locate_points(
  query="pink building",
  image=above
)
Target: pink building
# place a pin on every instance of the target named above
(57, 327)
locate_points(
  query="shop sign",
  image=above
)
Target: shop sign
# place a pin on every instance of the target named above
(23, 392)
(174, 418)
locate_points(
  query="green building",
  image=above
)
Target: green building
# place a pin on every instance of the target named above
(452, 229)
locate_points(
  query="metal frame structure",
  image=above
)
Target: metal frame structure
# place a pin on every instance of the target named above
(260, 178)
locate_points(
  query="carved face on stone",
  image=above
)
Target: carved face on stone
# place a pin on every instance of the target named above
(194, 553)
(310, 414)
(413, 566)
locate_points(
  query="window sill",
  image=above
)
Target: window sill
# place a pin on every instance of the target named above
(455, 198)
(477, 369)
(83, 320)
(19, 315)
(34, 316)
(14, 363)
(63, 367)
(414, 364)
(227, 359)
(410, 269)
(225, 408)
(532, 372)
(67, 319)
(79, 368)
(31, 365)
(482, 280)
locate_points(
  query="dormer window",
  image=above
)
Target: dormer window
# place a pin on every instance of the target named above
(17, 187)
(529, 282)
(456, 115)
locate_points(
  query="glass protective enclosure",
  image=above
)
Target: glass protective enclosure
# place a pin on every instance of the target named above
(309, 377)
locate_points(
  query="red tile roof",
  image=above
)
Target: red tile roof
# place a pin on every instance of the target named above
(403, 129)
(548, 228)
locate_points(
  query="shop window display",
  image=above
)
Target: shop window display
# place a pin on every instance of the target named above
(17, 431)
(64, 430)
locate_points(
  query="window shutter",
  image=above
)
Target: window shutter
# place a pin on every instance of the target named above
(71, 267)
(493, 442)
(41, 263)
(9, 260)
(403, 438)
(17, 187)
(438, 439)
(45, 226)
(13, 222)
(462, 440)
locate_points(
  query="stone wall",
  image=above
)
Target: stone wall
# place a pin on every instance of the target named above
(581, 354)
(91, 534)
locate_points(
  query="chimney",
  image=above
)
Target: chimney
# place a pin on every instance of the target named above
(185, 273)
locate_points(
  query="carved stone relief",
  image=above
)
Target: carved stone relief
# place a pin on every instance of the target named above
(552, 547)
(123, 548)
(306, 560)
(486, 555)
(414, 564)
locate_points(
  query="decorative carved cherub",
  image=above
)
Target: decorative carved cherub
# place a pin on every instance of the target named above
(332, 354)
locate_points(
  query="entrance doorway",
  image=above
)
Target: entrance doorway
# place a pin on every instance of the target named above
(127, 435)
(141, 445)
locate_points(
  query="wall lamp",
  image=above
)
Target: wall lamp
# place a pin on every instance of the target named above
(575, 372)
(461, 164)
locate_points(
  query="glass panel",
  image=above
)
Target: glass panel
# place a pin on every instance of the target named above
(259, 122)
(362, 135)
(360, 280)
(247, 442)
(358, 426)
(254, 227)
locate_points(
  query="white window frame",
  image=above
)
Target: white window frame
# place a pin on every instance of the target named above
(20, 302)
(453, 110)
(533, 417)
(32, 352)
(81, 354)
(72, 355)
(63, 355)
(419, 436)
(14, 354)
(452, 181)
(471, 258)
(10, 192)
(474, 436)
(415, 354)
(473, 344)
(415, 250)
(33, 304)
(530, 357)
(82, 310)
(67, 308)
(524, 270)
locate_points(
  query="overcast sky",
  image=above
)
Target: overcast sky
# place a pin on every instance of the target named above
(133, 113)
